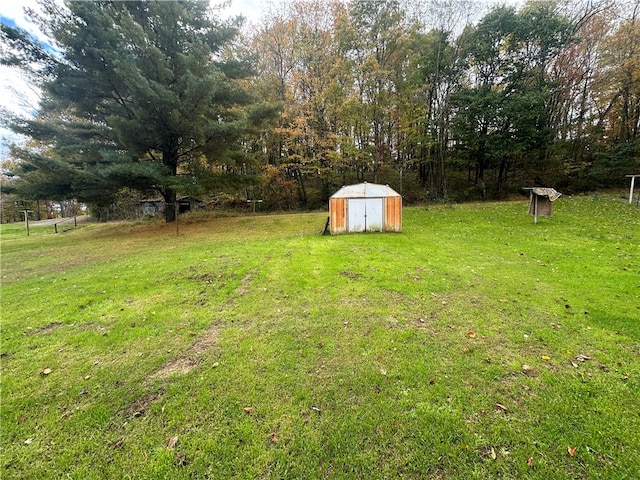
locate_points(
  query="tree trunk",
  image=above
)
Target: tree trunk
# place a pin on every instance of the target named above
(302, 189)
(170, 205)
(170, 159)
(442, 147)
(502, 173)
(481, 163)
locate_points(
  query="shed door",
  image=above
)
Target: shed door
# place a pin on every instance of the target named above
(366, 214)
(357, 214)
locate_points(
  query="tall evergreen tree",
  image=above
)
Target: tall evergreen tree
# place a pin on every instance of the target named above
(142, 95)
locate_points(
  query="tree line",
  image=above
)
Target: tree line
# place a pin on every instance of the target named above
(443, 100)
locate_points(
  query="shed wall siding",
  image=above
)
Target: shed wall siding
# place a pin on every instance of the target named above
(337, 214)
(393, 214)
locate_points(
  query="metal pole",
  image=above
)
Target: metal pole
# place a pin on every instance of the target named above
(26, 221)
(535, 208)
(633, 180)
(253, 205)
(177, 207)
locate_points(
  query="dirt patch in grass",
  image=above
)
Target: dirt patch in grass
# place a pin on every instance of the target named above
(243, 288)
(191, 358)
(351, 275)
(207, 278)
(177, 366)
(140, 406)
(47, 328)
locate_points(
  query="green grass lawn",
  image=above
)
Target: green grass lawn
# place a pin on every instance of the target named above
(474, 344)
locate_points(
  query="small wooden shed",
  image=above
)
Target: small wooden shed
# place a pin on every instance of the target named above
(540, 199)
(365, 207)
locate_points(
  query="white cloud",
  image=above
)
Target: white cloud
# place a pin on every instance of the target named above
(15, 11)
(17, 95)
(251, 10)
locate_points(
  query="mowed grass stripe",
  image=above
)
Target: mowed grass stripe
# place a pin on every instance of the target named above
(303, 356)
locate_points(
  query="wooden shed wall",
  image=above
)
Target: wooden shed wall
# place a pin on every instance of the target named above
(337, 214)
(393, 214)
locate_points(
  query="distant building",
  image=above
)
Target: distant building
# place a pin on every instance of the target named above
(156, 206)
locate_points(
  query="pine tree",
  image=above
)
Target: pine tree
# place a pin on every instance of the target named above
(141, 95)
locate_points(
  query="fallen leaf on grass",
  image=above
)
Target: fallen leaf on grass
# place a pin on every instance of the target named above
(546, 358)
(582, 358)
(488, 451)
(526, 369)
(273, 437)
(248, 410)
(471, 334)
(315, 409)
(45, 371)
(28, 441)
(530, 462)
(383, 371)
(499, 406)
(171, 444)
(84, 391)
(572, 451)
(574, 364)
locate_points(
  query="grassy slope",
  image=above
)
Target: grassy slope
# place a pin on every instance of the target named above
(273, 352)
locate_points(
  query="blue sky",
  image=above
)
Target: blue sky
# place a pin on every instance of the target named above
(7, 21)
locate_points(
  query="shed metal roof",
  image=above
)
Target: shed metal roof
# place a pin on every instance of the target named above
(365, 190)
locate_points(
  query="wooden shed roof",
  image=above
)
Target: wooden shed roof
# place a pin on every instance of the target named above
(365, 190)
